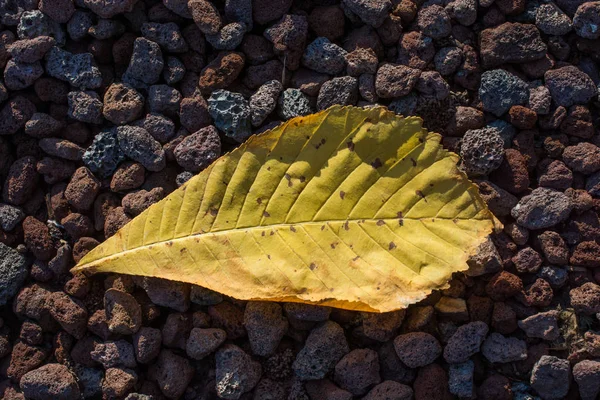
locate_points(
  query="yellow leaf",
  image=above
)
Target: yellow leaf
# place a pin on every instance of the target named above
(352, 208)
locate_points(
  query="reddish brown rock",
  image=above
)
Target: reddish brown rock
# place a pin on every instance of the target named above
(512, 174)
(21, 181)
(221, 72)
(38, 240)
(82, 189)
(503, 285)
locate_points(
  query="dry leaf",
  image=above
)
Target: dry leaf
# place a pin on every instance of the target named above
(351, 208)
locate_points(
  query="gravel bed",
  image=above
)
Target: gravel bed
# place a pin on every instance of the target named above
(107, 106)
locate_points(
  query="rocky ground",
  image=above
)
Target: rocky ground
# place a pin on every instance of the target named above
(106, 106)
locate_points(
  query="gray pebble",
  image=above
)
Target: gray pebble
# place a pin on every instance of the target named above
(500, 90)
(85, 107)
(499, 349)
(342, 90)
(265, 325)
(324, 347)
(293, 103)
(104, 154)
(146, 64)
(174, 70)
(34, 23)
(482, 151)
(551, 377)
(198, 150)
(159, 127)
(79, 24)
(323, 56)
(231, 114)
(460, 379)
(542, 208)
(203, 342)
(229, 37)
(552, 20)
(447, 60)
(79, 70)
(264, 101)
(236, 372)
(114, 353)
(465, 342)
(13, 269)
(10, 216)
(137, 144)
(371, 12)
(542, 325)
(166, 35)
(555, 276)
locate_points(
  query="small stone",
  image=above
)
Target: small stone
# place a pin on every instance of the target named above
(500, 90)
(229, 37)
(417, 349)
(197, 151)
(69, 312)
(587, 376)
(85, 107)
(173, 374)
(288, 36)
(361, 61)
(569, 85)
(174, 70)
(164, 99)
(264, 101)
(79, 70)
(122, 104)
(496, 387)
(499, 200)
(482, 151)
(146, 64)
(61, 148)
(265, 325)
(540, 100)
(109, 8)
(527, 260)
(166, 35)
(465, 342)
(137, 144)
(395, 80)
(123, 312)
(10, 216)
(32, 24)
(371, 12)
(114, 353)
(357, 371)
(554, 174)
(104, 154)
(586, 298)
(158, 126)
(543, 208)
(293, 103)
(205, 297)
(231, 114)
(306, 312)
(550, 377)
(382, 326)
(43, 126)
(135, 203)
(390, 390)
(203, 342)
(434, 21)
(503, 285)
(229, 318)
(323, 56)
(326, 390)
(13, 270)
(221, 72)
(236, 372)
(147, 343)
(341, 90)
(18, 76)
(15, 114)
(51, 381)
(162, 292)
(118, 382)
(583, 157)
(511, 43)
(324, 347)
(500, 349)
(82, 189)
(415, 50)
(129, 175)
(587, 20)
(542, 325)
(447, 60)
(206, 16)
(460, 379)
(551, 20)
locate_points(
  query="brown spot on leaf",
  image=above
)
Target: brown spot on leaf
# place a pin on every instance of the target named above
(350, 145)
(312, 266)
(380, 222)
(289, 179)
(413, 161)
(169, 243)
(392, 246)
(333, 245)
(302, 178)
(377, 163)
(322, 227)
(213, 212)
(421, 194)
(262, 233)
(259, 200)
(342, 194)
(355, 258)
(269, 256)
(292, 228)
(347, 226)
(266, 214)
(399, 214)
